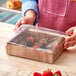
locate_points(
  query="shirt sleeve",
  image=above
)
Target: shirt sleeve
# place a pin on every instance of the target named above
(30, 4)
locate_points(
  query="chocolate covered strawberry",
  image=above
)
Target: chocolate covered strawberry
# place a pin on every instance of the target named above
(30, 41)
(42, 43)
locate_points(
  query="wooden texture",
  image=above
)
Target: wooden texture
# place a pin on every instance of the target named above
(22, 67)
(16, 46)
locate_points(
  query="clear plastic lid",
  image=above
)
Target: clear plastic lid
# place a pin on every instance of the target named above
(42, 30)
(39, 38)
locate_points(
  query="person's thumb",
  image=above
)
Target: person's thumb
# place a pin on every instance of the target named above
(70, 31)
(71, 38)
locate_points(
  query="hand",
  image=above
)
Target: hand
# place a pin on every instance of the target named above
(71, 40)
(29, 18)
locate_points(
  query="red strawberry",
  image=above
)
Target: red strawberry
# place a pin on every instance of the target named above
(32, 39)
(36, 74)
(47, 73)
(29, 41)
(42, 43)
(57, 73)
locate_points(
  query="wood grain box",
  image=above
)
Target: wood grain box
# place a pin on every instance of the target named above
(16, 46)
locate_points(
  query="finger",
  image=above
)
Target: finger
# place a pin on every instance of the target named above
(20, 22)
(70, 31)
(17, 25)
(69, 44)
(71, 38)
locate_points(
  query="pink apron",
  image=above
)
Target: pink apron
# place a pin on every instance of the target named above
(57, 14)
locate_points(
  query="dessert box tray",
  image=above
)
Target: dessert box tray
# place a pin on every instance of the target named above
(36, 43)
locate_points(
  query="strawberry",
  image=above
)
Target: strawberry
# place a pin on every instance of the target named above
(36, 74)
(29, 41)
(42, 43)
(47, 73)
(57, 73)
(32, 39)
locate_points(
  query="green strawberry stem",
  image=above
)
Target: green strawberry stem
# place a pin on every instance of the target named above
(55, 75)
(47, 70)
